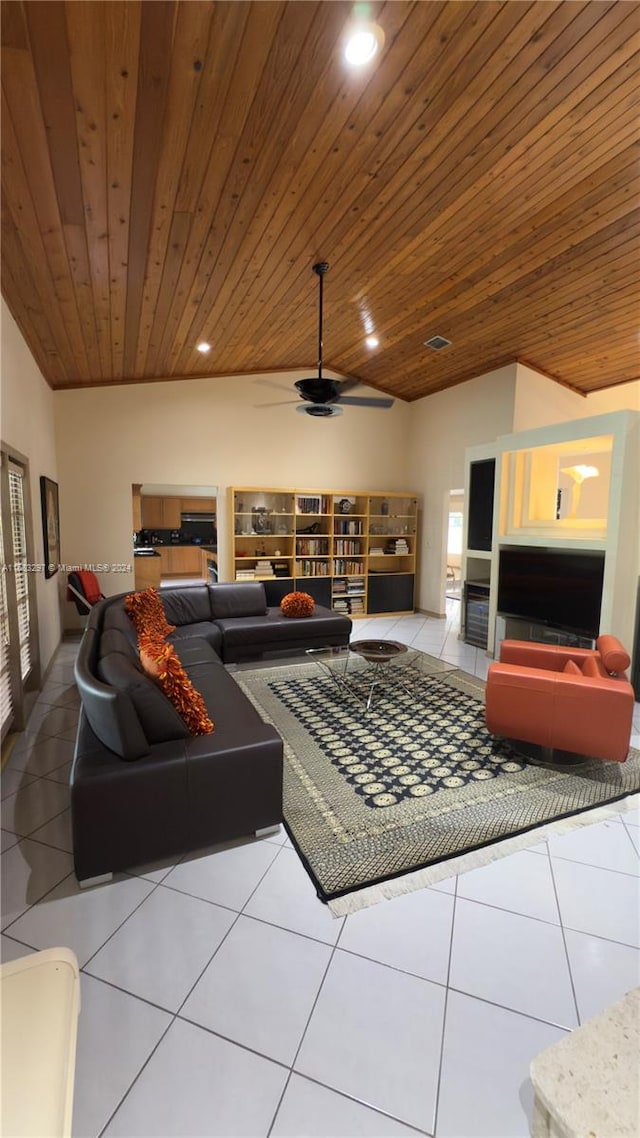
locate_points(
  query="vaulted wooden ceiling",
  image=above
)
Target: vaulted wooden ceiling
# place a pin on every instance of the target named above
(172, 170)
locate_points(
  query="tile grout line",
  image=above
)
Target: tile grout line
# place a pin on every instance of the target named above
(564, 941)
(436, 1104)
(176, 1015)
(306, 1027)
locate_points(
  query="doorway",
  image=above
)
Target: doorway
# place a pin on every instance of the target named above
(454, 545)
(175, 534)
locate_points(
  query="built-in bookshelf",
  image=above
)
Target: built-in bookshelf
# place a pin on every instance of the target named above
(352, 551)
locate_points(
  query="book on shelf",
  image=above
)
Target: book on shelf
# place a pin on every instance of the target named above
(264, 568)
(245, 574)
(344, 526)
(312, 504)
(346, 547)
(315, 568)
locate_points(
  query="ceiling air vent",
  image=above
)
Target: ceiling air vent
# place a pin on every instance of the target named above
(437, 342)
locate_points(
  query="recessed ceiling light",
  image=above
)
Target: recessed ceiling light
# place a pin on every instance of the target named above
(372, 342)
(204, 347)
(362, 43)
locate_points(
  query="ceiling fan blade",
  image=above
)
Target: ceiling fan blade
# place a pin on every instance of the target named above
(349, 384)
(363, 401)
(278, 403)
(272, 383)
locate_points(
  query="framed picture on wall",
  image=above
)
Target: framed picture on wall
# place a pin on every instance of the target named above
(50, 525)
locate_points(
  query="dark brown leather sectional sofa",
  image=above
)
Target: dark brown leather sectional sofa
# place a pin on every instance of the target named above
(142, 788)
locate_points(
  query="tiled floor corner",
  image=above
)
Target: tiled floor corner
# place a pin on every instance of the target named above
(221, 998)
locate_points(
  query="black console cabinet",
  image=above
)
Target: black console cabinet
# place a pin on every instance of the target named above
(475, 613)
(390, 592)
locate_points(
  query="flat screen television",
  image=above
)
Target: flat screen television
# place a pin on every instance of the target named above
(557, 587)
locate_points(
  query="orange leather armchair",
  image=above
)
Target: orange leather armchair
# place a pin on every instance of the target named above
(563, 699)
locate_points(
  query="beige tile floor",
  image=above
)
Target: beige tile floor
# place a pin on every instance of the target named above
(220, 997)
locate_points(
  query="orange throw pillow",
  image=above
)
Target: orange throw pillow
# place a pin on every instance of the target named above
(590, 668)
(147, 612)
(297, 604)
(571, 668)
(160, 662)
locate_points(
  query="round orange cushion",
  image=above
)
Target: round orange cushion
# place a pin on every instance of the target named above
(297, 604)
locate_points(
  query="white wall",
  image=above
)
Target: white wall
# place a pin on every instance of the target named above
(540, 401)
(212, 432)
(441, 427)
(27, 424)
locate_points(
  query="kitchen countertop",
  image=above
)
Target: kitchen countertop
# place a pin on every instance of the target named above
(154, 551)
(184, 545)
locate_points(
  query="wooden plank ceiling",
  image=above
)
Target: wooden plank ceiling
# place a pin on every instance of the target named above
(172, 170)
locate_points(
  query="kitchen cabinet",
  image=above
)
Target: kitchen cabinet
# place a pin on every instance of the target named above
(147, 571)
(164, 512)
(165, 562)
(186, 561)
(171, 512)
(152, 512)
(180, 561)
(198, 505)
(136, 500)
(160, 513)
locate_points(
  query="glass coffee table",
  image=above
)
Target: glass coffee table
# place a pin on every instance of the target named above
(387, 662)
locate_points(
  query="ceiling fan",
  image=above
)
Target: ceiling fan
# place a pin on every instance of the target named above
(323, 396)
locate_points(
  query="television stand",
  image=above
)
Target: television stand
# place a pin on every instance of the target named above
(516, 628)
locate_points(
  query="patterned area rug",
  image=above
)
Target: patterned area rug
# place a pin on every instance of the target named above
(415, 783)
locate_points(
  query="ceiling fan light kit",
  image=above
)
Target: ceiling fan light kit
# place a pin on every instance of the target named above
(321, 395)
(320, 410)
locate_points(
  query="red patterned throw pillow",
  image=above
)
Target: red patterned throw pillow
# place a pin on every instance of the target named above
(147, 612)
(297, 604)
(160, 662)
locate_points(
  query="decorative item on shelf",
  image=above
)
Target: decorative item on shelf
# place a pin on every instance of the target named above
(384, 508)
(345, 505)
(313, 528)
(260, 519)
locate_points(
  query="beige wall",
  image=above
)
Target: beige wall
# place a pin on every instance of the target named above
(233, 431)
(441, 427)
(214, 432)
(27, 424)
(540, 401)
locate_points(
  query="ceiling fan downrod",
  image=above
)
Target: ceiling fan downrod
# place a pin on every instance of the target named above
(321, 267)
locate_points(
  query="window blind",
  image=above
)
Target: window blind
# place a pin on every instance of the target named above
(19, 543)
(6, 704)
